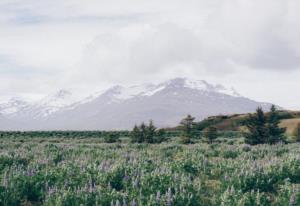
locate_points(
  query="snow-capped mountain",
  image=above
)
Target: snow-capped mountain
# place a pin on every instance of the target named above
(46, 106)
(120, 93)
(54, 102)
(12, 106)
(121, 107)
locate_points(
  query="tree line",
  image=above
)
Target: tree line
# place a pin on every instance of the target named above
(261, 128)
(264, 129)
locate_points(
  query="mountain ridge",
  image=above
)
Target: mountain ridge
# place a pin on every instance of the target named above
(121, 107)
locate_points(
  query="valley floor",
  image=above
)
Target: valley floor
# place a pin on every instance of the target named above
(85, 171)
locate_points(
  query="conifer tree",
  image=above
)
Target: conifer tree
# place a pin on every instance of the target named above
(187, 124)
(257, 129)
(144, 131)
(136, 135)
(211, 133)
(276, 134)
(150, 132)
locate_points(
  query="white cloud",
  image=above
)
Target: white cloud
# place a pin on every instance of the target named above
(92, 44)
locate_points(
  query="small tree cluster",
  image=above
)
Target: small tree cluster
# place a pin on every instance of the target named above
(147, 134)
(264, 129)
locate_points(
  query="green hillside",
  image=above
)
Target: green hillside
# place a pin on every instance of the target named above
(236, 122)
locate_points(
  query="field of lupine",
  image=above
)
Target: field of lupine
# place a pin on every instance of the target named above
(86, 171)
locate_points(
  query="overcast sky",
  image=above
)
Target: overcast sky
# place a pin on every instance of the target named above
(252, 45)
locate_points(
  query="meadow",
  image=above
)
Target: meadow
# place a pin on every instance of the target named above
(56, 171)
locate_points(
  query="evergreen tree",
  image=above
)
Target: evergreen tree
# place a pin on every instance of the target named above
(136, 135)
(297, 133)
(160, 136)
(257, 129)
(276, 134)
(144, 132)
(147, 133)
(187, 123)
(211, 133)
(150, 132)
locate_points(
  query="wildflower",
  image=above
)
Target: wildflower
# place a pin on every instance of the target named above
(133, 203)
(118, 203)
(30, 172)
(126, 177)
(124, 203)
(293, 200)
(5, 181)
(158, 197)
(169, 197)
(136, 183)
(51, 190)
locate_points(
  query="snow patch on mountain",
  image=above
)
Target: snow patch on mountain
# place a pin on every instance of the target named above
(230, 92)
(154, 90)
(123, 93)
(196, 84)
(120, 93)
(58, 99)
(14, 105)
(48, 105)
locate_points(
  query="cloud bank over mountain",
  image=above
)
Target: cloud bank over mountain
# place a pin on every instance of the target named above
(94, 44)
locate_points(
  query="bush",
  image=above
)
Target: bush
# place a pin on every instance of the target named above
(185, 140)
(111, 137)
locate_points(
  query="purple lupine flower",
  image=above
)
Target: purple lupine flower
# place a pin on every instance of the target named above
(51, 190)
(126, 177)
(30, 172)
(169, 197)
(66, 184)
(136, 183)
(293, 200)
(226, 177)
(124, 203)
(158, 197)
(91, 186)
(133, 203)
(5, 181)
(118, 203)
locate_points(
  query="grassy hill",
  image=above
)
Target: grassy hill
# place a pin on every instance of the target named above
(290, 124)
(236, 122)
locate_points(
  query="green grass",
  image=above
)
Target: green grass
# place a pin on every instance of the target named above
(86, 171)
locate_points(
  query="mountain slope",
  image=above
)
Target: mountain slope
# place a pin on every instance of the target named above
(165, 103)
(120, 107)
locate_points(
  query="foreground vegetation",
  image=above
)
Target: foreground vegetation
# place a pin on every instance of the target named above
(86, 171)
(225, 160)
